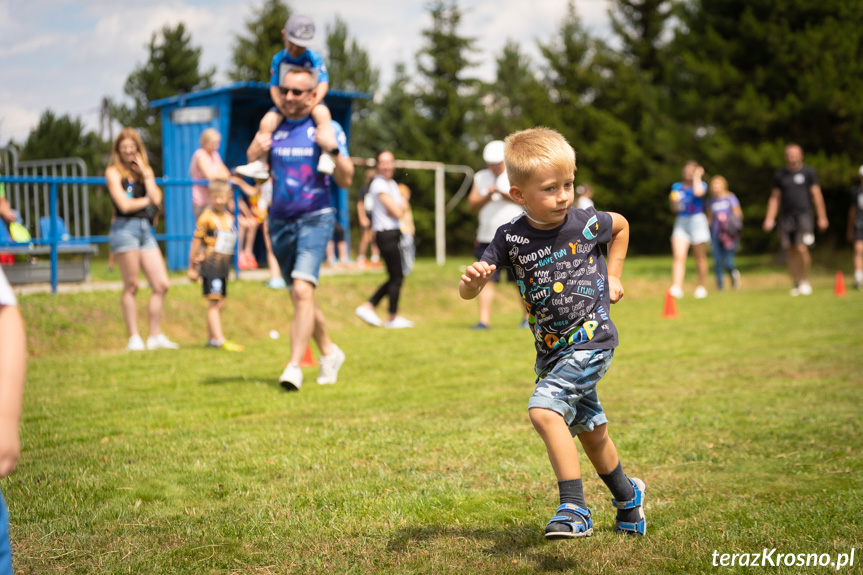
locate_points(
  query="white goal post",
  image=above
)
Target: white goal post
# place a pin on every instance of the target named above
(441, 206)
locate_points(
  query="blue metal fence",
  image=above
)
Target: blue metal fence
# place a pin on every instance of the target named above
(53, 240)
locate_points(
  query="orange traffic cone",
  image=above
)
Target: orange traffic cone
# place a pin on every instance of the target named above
(670, 311)
(839, 288)
(308, 359)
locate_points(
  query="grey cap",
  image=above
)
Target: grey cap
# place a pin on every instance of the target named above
(300, 30)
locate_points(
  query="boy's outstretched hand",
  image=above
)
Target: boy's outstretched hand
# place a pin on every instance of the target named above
(615, 289)
(474, 279)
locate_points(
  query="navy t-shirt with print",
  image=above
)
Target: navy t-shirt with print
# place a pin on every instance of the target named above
(563, 280)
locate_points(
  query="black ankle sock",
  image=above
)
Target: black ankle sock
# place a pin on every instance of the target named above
(571, 491)
(621, 489)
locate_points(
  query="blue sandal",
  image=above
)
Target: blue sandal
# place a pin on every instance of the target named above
(638, 528)
(576, 519)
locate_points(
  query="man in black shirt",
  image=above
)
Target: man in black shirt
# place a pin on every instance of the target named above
(795, 192)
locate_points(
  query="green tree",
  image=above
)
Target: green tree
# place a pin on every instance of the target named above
(517, 99)
(447, 98)
(351, 70)
(641, 25)
(757, 74)
(253, 53)
(447, 109)
(65, 137)
(172, 68)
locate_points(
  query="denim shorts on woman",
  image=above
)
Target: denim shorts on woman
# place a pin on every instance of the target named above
(128, 234)
(569, 388)
(693, 228)
(300, 244)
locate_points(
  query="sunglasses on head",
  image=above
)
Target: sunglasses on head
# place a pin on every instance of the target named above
(294, 91)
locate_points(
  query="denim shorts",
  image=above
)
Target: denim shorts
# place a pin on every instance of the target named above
(5, 549)
(300, 244)
(129, 234)
(569, 388)
(693, 228)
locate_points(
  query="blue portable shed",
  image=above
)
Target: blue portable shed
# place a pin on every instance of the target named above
(235, 111)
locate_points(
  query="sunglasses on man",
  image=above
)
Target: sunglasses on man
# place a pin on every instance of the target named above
(294, 91)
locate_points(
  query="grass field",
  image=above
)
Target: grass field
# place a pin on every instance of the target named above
(743, 416)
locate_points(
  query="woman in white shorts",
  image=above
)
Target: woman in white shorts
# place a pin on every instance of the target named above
(690, 228)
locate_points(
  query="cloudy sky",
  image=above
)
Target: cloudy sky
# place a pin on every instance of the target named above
(66, 55)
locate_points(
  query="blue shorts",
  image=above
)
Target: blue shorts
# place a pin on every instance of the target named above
(569, 388)
(300, 244)
(5, 549)
(129, 234)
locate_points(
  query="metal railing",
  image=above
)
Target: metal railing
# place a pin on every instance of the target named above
(54, 240)
(31, 200)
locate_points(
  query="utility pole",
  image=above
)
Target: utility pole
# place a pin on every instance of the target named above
(105, 120)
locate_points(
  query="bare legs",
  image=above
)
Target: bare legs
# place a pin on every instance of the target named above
(308, 323)
(679, 251)
(153, 266)
(799, 262)
(562, 451)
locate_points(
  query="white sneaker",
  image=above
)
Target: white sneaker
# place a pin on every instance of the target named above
(795, 292)
(700, 292)
(256, 170)
(369, 316)
(330, 365)
(804, 288)
(160, 342)
(326, 164)
(136, 343)
(292, 378)
(399, 323)
(676, 291)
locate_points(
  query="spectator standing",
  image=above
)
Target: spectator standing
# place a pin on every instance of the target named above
(795, 193)
(585, 196)
(489, 195)
(212, 247)
(137, 200)
(365, 203)
(690, 229)
(726, 223)
(855, 230)
(389, 207)
(206, 164)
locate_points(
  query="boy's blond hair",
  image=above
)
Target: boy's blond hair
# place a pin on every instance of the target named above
(217, 186)
(526, 151)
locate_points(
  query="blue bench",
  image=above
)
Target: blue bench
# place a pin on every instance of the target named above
(73, 267)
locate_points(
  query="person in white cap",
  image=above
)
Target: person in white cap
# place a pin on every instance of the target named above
(490, 196)
(855, 230)
(298, 34)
